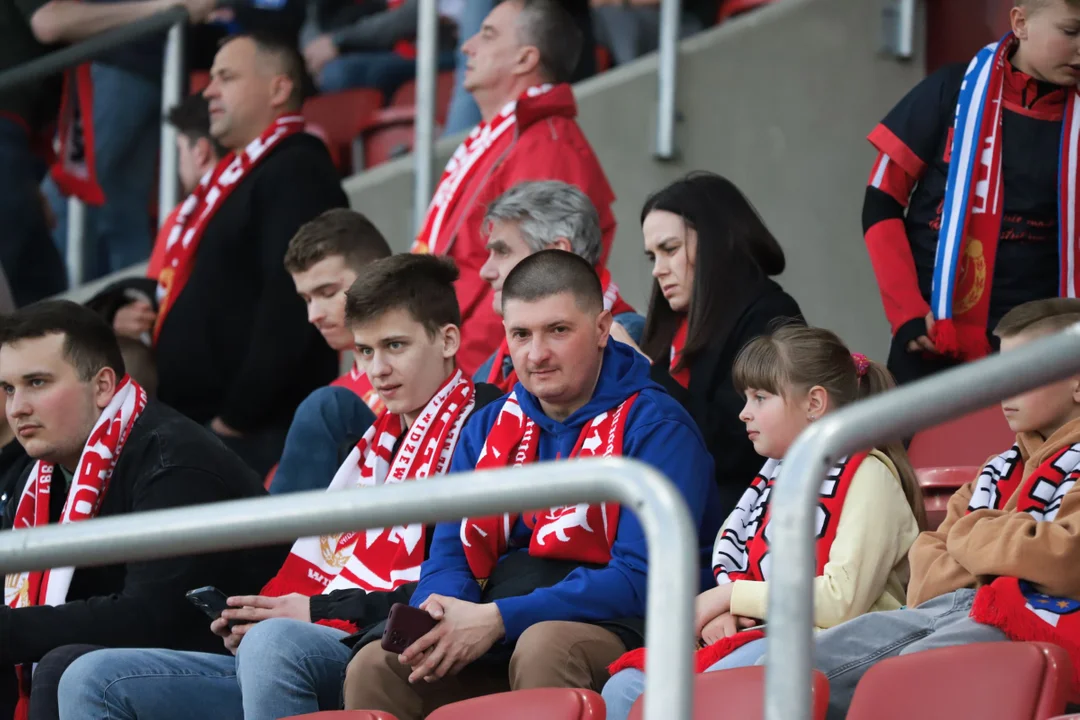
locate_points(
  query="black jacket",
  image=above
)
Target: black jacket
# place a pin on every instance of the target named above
(168, 461)
(237, 343)
(712, 400)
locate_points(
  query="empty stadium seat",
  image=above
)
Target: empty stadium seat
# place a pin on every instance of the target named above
(938, 485)
(538, 704)
(387, 134)
(345, 715)
(405, 96)
(989, 681)
(197, 81)
(341, 115)
(740, 692)
(731, 8)
(968, 440)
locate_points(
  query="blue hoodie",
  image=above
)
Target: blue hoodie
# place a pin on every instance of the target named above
(658, 431)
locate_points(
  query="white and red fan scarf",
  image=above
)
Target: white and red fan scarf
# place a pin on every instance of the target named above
(200, 206)
(381, 559)
(75, 171)
(741, 551)
(88, 487)
(459, 172)
(613, 301)
(1015, 606)
(580, 533)
(678, 344)
(359, 383)
(973, 206)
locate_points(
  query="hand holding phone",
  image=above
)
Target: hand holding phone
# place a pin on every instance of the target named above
(211, 601)
(404, 626)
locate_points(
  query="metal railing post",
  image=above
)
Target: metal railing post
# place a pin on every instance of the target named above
(427, 41)
(172, 91)
(672, 543)
(892, 415)
(76, 239)
(667, 78)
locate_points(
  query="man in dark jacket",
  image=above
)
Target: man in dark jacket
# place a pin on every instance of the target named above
(234, 348)
(100, 448)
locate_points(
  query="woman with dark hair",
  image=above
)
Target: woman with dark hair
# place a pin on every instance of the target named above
(712, 259)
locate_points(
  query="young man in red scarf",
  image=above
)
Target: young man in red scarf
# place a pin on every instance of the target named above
(971, 208)
(534, 216)
(234, 349)
(546, 599)
(518, 68)
(101, 449)
(288, 640)
(1005, 563)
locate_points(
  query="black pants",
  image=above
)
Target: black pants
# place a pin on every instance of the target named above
(44, 703)
(909, 366)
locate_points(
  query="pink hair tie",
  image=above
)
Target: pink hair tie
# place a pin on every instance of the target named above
(862, 364)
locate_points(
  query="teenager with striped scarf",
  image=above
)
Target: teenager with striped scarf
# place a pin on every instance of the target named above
(288, 641)
(871, 508)
(1005, 563)
(972, 204)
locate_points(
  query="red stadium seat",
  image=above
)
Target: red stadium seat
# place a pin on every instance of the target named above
(969, 440)
(198, 80)
(938, 485)
(444, 91)
(604, 59)
(989, 681)
(341, 115)
(318, 131)
(538, 704)
(731, 8)
(388, 134)
(345, 715)
(740, 692)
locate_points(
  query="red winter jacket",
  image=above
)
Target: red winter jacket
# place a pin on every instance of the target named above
(547, 144)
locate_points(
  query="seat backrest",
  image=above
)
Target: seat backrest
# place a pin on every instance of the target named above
(538, 704)
(345, 715)
(938, 485)
(740, 693)
(1018, 681)
(968, 440)
(731, 8)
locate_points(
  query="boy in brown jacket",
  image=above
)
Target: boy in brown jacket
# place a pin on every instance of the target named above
(1005, 563)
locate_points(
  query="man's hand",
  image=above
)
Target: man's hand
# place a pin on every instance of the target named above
(923, 343)
(465, 632)
(710, 605)
(219, 426)
(231, 636)
(725, 626)
(319, 52)
(256, 608)
(618, 332)
(134, 319)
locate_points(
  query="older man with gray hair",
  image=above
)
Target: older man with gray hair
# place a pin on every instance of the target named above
(535, 216)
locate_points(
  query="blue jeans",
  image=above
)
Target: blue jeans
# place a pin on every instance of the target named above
(626, 686)
(284, 668)
(328, 418)
(383, 71)
(127, 127)
(463, 113)
(31, 263)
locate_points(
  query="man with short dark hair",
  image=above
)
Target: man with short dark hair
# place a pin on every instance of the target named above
(535, 216)
(324, 259)
(547, 599)
(101, 448)
(233, 348)
(518, 68)
(288, 640)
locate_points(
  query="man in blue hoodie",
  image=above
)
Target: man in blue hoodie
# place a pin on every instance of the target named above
(545, 599)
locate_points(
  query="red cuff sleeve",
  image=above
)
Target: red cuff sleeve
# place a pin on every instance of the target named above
(887, 143)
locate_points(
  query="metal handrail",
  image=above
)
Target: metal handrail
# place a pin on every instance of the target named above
(666, 78)
(91, 48)
(657, 503)
(892, 415)
(427, 40)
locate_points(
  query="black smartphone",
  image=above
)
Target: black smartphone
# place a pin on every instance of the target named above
(404, 626)
(210, 600)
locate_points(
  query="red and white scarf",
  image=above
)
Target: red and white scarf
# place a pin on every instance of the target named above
(581, 533)
(88, 487)
(678, 344)
(1010, 604)
(741, 551)
(75, 170)
(358, 382)
(973, 206)
(459, 172)
(381, 559)
(498, 376)
(200, 206)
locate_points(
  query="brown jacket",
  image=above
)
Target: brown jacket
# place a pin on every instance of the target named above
(970, 550)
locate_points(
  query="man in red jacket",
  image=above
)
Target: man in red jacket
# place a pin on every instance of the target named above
(517, 70)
